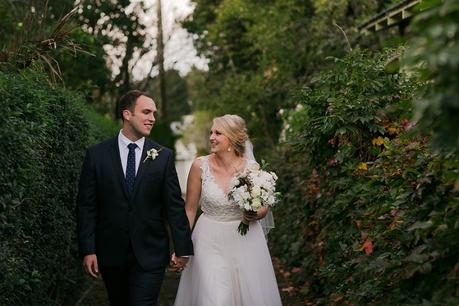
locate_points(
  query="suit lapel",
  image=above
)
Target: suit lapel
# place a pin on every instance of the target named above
(142, 166)
(118, 167)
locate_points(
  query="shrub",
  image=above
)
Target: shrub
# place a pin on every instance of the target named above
(434, 53)
(369, 213)
(43, 135)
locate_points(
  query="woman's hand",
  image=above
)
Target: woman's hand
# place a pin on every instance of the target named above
(249, 216)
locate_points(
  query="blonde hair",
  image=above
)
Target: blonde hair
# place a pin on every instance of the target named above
(234, 128)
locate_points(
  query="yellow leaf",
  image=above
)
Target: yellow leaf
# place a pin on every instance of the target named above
(378, 141)
(394, 130)
(362, 167)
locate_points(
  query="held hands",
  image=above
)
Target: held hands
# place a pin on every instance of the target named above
(90, 265)
(177, 263)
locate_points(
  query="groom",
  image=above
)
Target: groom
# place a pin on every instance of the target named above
(128, 191)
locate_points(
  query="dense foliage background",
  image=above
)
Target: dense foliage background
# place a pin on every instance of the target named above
(370, 212)
(360, 127)
(44, 133)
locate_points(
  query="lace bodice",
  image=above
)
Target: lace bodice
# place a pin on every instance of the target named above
(214, 202)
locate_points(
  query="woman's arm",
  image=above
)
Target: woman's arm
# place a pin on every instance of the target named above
(193, 191)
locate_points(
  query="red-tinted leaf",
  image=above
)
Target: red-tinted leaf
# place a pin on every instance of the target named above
(296, 270)
(368, 247)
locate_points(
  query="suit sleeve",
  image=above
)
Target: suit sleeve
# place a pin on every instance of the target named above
(175, 210)
(87, 208)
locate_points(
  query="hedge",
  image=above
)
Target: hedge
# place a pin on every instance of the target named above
(44, 131)
(369, 213)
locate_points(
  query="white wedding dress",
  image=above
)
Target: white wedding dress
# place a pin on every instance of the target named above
(227, 269)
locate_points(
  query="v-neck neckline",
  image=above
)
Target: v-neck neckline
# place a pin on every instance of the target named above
(232, 177)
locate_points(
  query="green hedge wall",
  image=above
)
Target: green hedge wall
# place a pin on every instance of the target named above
(435, 44)
(369, 214)
(43, 135)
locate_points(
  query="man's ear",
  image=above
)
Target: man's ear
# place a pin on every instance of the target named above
(126, 114)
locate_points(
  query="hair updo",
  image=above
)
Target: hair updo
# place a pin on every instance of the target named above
(233, 127)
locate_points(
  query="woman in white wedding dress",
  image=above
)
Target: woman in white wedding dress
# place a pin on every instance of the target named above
(227, 269)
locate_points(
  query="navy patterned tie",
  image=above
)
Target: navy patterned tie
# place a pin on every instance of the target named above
(130, 167)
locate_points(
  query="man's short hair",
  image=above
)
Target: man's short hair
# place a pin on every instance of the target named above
(127, 101)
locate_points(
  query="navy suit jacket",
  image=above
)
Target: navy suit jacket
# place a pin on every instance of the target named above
(109, 218)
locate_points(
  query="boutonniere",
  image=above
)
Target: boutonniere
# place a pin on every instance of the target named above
(152, 154)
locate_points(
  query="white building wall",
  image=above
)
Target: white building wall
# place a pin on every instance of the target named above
(184, 158)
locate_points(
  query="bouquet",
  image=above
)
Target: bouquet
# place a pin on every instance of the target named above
(251, 190)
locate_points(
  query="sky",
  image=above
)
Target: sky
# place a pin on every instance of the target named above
(179, 52)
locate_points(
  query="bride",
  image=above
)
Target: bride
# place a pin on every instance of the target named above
(227, 269)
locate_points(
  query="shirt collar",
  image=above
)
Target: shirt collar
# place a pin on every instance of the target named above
(124, 141)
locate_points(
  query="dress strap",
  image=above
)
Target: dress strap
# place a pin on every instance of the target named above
(204, 167)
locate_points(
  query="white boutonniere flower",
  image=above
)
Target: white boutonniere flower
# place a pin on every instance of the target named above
(152, 154)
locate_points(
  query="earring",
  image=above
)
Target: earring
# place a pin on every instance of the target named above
(229, 149)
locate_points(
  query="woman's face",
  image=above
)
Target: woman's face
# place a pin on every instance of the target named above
(218, 141)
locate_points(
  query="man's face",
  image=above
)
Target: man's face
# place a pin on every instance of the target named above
(141, 120)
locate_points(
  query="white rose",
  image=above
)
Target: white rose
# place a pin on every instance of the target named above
(256, 191)
(256, 203)
(265, 196)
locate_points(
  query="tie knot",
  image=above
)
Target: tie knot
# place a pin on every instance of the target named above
(132, 146)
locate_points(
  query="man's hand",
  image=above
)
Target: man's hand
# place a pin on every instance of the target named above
(178, 263)
(90, 265)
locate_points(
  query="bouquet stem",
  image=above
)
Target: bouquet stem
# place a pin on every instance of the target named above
(243, 228)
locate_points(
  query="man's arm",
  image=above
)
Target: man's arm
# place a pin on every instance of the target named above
(87, 208)
(177, 219)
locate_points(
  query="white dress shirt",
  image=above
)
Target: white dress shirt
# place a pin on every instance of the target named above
(123, 143)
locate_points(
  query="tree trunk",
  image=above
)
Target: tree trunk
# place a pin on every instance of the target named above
(160, 60)
(124, 76)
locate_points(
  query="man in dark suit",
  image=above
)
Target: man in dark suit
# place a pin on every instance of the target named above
(128, 191)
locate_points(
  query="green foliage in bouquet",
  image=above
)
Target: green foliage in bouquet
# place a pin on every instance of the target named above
(369, 213)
